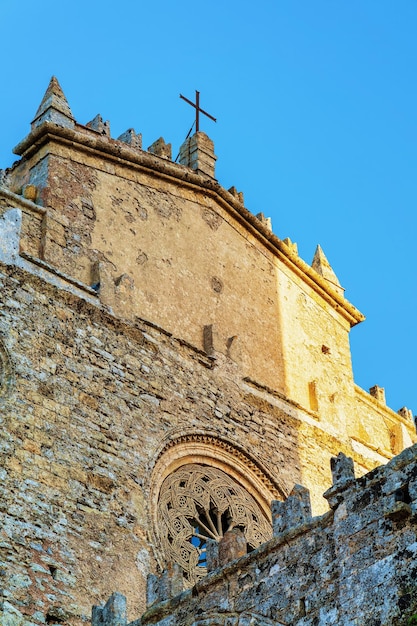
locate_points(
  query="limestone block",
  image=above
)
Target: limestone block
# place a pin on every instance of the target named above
(10, 225)
(342, 469)
(232, 546)
(293, 512)
(212, 555)
(162, 149)
(197, 152)
(170, 582)
(131, 138)
(112, 614)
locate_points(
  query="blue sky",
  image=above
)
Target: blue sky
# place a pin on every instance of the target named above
(316, 104)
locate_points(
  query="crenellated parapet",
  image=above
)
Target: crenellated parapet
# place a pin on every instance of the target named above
(355, 564)
(54, 124)
(293, 512)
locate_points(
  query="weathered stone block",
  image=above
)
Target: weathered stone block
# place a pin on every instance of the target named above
(231, 546)
(112, 614)
(293, 512)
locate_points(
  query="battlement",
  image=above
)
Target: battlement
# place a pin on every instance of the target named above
(196, 153)
(355, 564)
(54, 125)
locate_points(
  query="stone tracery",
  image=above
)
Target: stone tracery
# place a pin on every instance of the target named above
(198, 502)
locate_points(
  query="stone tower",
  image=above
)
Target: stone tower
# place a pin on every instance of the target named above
(168, 367)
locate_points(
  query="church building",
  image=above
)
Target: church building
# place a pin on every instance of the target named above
(169, 369)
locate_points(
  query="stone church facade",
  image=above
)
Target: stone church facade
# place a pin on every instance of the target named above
(168, 369)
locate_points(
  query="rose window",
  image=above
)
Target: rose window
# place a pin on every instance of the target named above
(199, 502)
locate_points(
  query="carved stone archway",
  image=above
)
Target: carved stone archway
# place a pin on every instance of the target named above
(202, 486)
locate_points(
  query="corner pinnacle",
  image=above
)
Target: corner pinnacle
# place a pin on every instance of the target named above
(54, 107)
(322, 266)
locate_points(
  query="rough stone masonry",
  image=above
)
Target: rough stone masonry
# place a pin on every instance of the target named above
(169, 367)
(356, 564)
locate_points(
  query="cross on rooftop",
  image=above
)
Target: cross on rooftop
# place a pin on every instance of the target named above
(198, 110)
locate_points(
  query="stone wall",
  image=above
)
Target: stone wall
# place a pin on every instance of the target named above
(88, 402)
(148, 321)
(356, 564)
(166, 242)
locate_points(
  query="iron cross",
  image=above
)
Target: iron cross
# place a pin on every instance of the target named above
(198, 110)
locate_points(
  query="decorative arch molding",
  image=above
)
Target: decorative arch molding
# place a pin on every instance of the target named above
(207, 448)
(198, 449)
(6, 373)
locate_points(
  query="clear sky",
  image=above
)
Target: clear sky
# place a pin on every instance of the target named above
(316, 102)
